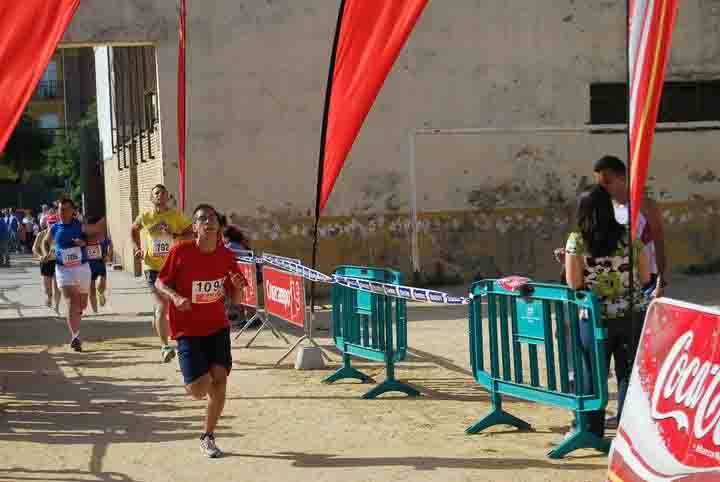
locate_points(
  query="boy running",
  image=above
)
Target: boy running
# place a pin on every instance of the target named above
(195, 278)
(161, 227)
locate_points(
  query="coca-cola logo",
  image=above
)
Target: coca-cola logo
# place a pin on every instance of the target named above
(680, 370)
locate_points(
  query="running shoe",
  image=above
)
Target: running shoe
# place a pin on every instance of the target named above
(208, 447)
(167, 353)
(101, 298)
(48, 302)
(76, 344)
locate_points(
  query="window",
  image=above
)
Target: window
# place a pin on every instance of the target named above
(681, 102)
(49, 121)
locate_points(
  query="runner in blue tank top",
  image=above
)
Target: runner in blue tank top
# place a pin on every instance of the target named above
(72, 270)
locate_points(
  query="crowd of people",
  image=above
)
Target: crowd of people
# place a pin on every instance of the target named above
(18, 230)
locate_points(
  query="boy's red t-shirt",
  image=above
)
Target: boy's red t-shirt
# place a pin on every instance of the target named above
(202, 278)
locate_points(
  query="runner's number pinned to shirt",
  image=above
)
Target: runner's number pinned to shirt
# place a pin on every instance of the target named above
(208, 291)
(71, 256)
(94, 251)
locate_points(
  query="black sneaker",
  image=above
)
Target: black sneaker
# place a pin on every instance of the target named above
(76, 344)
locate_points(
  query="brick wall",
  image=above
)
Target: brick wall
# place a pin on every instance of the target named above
(129, 177)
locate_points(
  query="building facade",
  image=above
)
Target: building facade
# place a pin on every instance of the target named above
(467, 165)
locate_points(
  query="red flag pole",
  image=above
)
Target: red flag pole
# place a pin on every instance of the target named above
(182, 100)
(323, 140)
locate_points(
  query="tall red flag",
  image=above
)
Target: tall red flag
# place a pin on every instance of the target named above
(29, 33)
(182, 34)
(651, 24)
(369, 40)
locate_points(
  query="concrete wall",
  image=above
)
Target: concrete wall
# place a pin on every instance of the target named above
(257, 73)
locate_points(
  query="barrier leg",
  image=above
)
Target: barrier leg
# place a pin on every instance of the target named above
(247, 324)
(391, 385)
(581, 439)
(347, 371)
(497, 416)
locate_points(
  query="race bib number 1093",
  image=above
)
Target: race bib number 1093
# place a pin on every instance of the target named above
(208, 291)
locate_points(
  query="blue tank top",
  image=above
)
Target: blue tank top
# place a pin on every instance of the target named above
(67, 254)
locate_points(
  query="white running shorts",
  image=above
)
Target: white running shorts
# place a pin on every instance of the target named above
(74, 276)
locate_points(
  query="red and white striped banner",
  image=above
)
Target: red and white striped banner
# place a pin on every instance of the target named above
(651, 25)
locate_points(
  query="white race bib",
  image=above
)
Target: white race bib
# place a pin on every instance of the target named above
(161, 246)
(208, 291)
(71, 256)
(94, 251)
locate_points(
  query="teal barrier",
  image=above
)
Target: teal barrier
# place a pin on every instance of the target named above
(371, 326)
(542, 321)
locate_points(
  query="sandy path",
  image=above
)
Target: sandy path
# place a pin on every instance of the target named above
(114, 414)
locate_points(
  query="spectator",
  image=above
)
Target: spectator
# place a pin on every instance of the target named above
(4, 240)
(597, 259)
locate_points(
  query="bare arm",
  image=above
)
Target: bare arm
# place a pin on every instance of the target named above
(239, 283)
(643, 267)
(46, 242)
(135, 235)
(574, 271)
(657, 232)
(37, 245)
(180, 302)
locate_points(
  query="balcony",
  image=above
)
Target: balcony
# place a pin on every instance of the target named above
(48, 90)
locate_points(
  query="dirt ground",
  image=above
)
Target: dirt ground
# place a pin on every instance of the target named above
(113, 413)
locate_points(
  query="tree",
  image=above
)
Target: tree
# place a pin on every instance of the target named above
(63, 163)
(64, 157)
(25, 149)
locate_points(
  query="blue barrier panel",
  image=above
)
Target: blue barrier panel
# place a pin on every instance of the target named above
(539, 318)
(372, 326)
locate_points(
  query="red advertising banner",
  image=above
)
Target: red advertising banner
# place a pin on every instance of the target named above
(284, 295)
(670, 427)
(250, 293)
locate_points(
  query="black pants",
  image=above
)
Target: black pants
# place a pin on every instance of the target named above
(619, 347)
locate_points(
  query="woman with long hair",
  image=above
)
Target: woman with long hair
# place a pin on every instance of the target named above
(598, 259)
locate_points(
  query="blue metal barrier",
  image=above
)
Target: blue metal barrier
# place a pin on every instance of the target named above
(539, 317)
(372, 326)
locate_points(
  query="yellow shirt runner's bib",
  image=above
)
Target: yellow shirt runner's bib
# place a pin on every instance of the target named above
(158, 231)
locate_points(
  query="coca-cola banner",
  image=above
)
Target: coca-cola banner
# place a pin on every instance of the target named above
(284, 295)
(670, 427)
(250, 293)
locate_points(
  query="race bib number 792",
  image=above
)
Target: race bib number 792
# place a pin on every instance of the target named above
(161, 246)
(208, 291)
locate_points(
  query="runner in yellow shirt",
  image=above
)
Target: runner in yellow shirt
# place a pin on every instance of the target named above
(160, 228)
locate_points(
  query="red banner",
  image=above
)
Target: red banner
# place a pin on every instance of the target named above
(181, 100)
(284, 295)
(369, 41)
(670, 427)
(29, 33)
(650, 34)
(250, 293)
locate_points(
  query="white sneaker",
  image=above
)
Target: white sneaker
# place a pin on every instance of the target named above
(208, 447)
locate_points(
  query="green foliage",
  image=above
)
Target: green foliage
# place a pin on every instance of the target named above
(24, 151)
(63, 157)
(63, 163)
